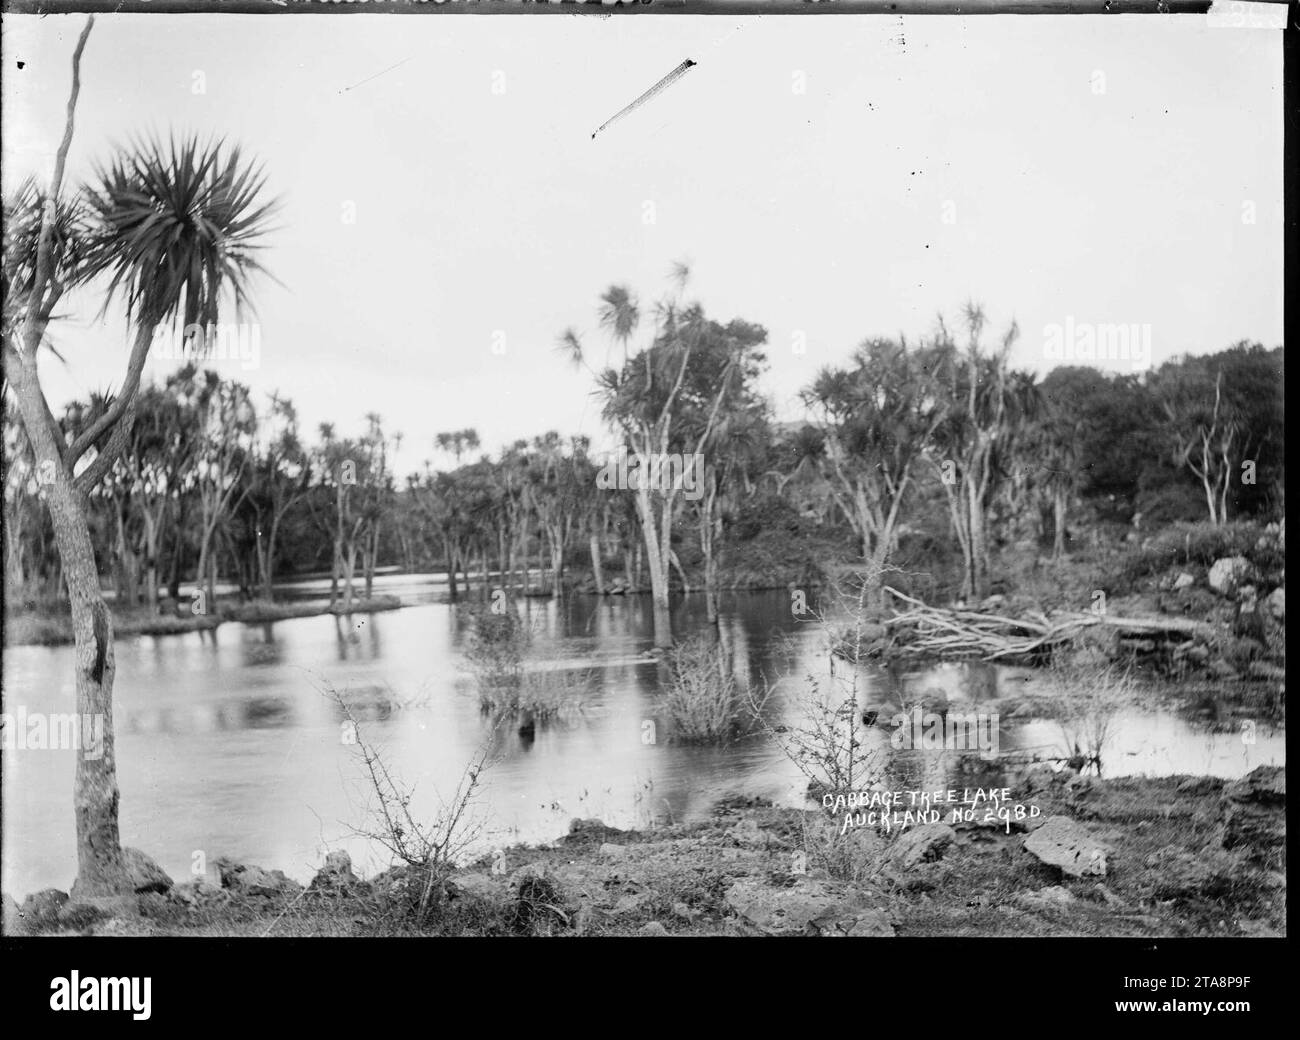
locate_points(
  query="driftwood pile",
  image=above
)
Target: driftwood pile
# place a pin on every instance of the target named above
(923, 630)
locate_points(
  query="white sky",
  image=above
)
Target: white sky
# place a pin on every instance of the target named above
(818, 213)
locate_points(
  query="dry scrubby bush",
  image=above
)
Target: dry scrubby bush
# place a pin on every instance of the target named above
(702, 699)
(496, 647)
(497, 652)
(1083, 700)
(426, 850)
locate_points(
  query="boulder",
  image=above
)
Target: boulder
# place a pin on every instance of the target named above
(1253, 813)
(478, 892)
(199, 890)
(1183, 581)
(146, 875)
(248, 880)
(1064, 843)
(920, 844)
(336, 875)
(653, 928)
(339, 863)
(612, 851)
(1276, 603)
(1226, 574)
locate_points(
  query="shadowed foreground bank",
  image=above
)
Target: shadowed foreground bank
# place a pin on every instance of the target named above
(1176, 856)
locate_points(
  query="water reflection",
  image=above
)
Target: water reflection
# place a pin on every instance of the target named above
(232, 741)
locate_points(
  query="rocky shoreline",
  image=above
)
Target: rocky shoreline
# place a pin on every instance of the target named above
(1138, 857)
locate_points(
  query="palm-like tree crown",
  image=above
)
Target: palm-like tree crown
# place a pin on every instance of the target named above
(179, 224)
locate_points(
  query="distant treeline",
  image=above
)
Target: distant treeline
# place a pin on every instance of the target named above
(936, 437)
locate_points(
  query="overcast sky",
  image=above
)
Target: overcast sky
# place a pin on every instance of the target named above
(1095, 170)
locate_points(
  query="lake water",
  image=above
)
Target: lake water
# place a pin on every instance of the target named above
(228, 742)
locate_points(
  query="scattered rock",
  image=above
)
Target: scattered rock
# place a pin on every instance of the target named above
(336, 877)
(809, 907)
(611, 851)
(199, 890)
(921, 844)
(146, 875)
(248, 880)
(1064, 843)
(477, 893)
(1253, 812)
(1226, 574)
(339, 863)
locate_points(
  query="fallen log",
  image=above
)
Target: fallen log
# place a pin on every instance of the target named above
(940, 631)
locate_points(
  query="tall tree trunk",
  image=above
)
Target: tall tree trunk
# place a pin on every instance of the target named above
(1058, 523)
(151, 561)
(451, 569)
(100, 870)
(268, 580)
(557, 564)
(663, 629)
(597, 570)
